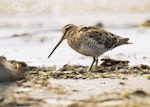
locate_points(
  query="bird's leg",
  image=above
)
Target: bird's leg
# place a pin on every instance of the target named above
(91, 64)
(96, 60)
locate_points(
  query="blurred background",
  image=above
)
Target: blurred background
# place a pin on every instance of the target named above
(30, 29)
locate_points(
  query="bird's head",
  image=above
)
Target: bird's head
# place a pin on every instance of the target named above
(67, 29)
(66, 33)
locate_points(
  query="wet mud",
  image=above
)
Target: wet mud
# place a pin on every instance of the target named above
(124, 99)
(109, 68)
(115, 83)
(40, 78)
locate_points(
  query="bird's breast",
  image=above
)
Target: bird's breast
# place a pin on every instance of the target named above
(88, 47)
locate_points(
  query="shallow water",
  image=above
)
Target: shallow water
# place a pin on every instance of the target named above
(34, 47)
(32, 40)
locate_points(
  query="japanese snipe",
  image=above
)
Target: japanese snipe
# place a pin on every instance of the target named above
(90, 41)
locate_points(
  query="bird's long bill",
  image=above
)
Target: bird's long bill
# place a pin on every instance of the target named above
(56, 47)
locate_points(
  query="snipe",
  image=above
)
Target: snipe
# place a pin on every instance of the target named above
(90, 41)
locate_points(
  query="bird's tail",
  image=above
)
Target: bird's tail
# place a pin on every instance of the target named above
(123, 41)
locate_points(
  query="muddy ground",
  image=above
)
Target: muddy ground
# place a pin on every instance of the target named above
(30, 29)
(113, 84)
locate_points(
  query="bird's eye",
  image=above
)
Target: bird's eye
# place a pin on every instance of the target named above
(67, 29)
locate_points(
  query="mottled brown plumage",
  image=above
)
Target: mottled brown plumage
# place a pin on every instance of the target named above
(90, 41)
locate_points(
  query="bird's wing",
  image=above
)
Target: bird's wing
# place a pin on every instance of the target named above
(101, 36)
